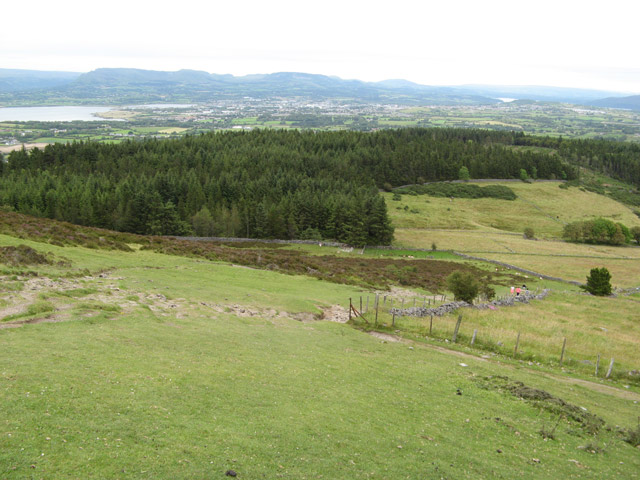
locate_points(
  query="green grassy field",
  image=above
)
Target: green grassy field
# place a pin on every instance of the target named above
(156, 366)
(592, 326)
(492, 229)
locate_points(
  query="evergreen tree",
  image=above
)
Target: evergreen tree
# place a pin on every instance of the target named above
(598, 282)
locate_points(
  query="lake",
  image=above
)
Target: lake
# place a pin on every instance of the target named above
(51, 114)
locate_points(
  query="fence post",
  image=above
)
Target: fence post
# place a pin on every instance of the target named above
(564, 344)
(430, 324)
(515, 350)
(455, 332)
(377, 309)
(350, 308)
(610, 368)
(367, 303)
(360, 303)
(473, 339)
(597, 365)
(393, 320)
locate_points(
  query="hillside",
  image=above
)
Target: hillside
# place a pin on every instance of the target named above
(630, 103)
(121, 85)
(150, 365)
(493, 229)
(12, 80)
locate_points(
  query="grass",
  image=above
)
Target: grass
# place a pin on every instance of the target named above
(592, 326)
(152, 391)
(135, 397)
(541, 206)
(493, 229)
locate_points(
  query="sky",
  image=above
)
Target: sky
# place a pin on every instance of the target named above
(566, 43)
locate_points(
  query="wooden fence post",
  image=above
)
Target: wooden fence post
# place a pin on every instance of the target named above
(473, 339)
(564, 344)
(377, 309)
(430, 324)
(610, 368)
(393, 320)
(455, 332)
(360, 303)
(350, 308)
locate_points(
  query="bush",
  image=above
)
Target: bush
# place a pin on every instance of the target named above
(529, 233)
(598, 282)
(635, 233)
(488, 292)
(599, 231)
(464, 286)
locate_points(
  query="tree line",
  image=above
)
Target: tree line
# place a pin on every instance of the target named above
(258, 184)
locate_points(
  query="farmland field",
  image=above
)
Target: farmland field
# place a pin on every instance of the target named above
(492, 229)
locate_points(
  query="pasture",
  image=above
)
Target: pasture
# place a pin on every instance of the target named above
(147, 365)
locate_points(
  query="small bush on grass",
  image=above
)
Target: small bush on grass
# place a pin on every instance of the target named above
(598, 282)
(464, 286)
(529, 234)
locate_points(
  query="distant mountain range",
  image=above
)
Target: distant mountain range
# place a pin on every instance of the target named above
(127, 85)
(630, 103)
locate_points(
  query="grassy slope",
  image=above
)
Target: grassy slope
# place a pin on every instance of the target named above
(493, 229)
(148, 393)
(190, 392)
(592, 326)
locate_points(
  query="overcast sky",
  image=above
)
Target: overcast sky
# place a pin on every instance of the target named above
(584, 44)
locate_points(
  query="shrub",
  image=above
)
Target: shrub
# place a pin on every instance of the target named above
(488, 292)
(464, 286)
(599, 230)
(529, 233)
(598, 282)
(463, 174)
(635, 233)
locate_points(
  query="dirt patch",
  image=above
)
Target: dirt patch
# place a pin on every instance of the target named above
(387, 337)
(336, 313)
